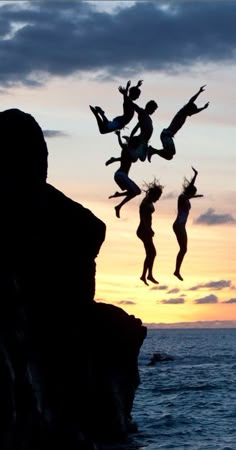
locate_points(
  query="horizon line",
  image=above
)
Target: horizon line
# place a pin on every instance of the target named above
(194, 324)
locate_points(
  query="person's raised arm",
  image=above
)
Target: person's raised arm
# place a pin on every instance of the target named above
(194, 177)
(139, 83)
(203, 107)
(124, 91)
(134, 130)
(127, 87)
(112, 160)
(135, 106)
(193, 181)
(192, 99)
(117, 132)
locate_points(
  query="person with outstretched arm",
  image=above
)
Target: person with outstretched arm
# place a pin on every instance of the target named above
(138, 144)
(179, 225)
(167, 134)
(107, 126)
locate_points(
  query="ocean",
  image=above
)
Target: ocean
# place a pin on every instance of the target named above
(188, 399)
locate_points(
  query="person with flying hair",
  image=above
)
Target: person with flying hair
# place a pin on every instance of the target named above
(179, 225)
(107, 126)
(145, 232)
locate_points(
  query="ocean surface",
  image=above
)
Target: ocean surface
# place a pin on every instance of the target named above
(187, 401)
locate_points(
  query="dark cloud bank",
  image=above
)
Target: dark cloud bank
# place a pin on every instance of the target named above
(60, 38)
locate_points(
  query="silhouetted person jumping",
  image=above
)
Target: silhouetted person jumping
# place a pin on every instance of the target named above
(121, 177)
(179, 226)
(145, 231)
(138, 145)
(167, 134)
(107, 126)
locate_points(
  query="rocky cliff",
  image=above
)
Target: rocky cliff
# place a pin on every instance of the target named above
(68, 365)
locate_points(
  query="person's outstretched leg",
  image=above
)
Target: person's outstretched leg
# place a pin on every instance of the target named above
(118, 194)
(110, 161)
(132, 191)
(144, 272)
(168, 150)
(102, 121)
(151, 254)
(179, 261)
(163, 153)
(148, 262)
(182, 241)
(128, 197)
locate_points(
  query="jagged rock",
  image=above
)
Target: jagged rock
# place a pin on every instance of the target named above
(68, 365)
(159, 357)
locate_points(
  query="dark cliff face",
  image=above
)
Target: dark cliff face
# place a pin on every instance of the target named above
(68, 365)
(115, 341)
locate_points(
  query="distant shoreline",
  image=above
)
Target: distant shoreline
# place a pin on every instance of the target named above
(198, 324)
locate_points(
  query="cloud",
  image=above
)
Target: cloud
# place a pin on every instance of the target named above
(173, 301)
(173, 291)
(170, 195)
(61, 38)
(126, 302)
(54, 134)
(231, 300)
(217, 285)
(205, 300)
(211, 218)
(162, 287)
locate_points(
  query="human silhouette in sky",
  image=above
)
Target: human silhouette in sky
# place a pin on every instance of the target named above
(179, 225)
(128, 187)
(138, 144)
(107, 126)
(145, 231)
(167, 134)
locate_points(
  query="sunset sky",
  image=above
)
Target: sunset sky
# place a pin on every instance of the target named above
(58, 57)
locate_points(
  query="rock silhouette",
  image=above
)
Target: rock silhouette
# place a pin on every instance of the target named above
(160, 357)
(62, 355)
